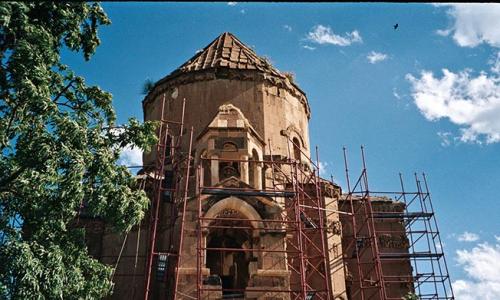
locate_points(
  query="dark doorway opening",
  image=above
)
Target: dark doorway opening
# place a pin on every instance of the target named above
(228, 256)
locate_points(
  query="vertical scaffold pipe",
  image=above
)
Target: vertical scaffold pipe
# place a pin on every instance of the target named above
(183, 219)
(155, 201)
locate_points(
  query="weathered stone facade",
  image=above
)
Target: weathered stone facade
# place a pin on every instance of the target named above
(391, 239)
(242, 112)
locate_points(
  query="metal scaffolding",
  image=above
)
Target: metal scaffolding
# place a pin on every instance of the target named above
(302, 255)
(171, 166)
(378, 271)
(182, 195)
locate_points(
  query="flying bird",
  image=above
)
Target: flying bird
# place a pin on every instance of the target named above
(396, 26)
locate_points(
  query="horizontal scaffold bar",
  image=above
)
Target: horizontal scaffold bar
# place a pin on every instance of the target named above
(396, 215)
(410, 255)
(245, 192)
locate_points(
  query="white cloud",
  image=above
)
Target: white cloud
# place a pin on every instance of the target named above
(323, 169)
(468, 237)
(469, 101)
(287, 27)
(324, 35)
(497, 237)
(396, 94)
(474, 24)
(445, 138)
(309, 47)
(443, 32)
(482, 269)
(375, 57)
(130, 156)
(116, 131)
(472, 103)
(232, 3)
(495, 68)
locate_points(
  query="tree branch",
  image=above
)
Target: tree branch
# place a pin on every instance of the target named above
(66, 105)
(64, 90)
(11, 177)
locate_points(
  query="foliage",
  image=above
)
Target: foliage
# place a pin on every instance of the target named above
(148, 86)
(410, 296)
(290, 76)
(58, 150)
(267, 60)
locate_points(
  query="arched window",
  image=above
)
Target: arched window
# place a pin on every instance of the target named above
(168, 149)
(169, 178)
(296, 148)
(229, 147)
(229, 169)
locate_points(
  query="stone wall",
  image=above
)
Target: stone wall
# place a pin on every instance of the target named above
(391, 238)
(271, 110)
(276, 112)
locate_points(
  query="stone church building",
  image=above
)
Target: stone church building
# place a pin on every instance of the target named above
(239, 210)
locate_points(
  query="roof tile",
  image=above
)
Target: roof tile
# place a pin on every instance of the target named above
(227, 51)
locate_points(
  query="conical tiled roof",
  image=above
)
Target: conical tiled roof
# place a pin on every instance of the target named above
(226, 51)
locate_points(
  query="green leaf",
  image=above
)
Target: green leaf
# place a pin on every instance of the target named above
(57, 152)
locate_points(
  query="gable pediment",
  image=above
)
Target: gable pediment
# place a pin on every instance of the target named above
(230, 117)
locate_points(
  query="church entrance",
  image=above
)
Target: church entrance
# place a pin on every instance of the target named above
(228, 255)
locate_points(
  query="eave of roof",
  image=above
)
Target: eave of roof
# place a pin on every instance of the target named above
(226, 51)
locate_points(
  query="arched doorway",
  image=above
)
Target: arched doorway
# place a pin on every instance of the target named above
(228, 255)
(232, 235)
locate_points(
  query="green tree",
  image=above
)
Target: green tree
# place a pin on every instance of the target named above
(58, 150)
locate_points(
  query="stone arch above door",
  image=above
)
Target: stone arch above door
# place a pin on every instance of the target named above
(237, 204)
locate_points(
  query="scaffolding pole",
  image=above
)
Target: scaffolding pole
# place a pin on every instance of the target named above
(167, 175)
(303, 252)
(404, 251)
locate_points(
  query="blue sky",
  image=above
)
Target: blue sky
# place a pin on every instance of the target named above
(367, 84)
